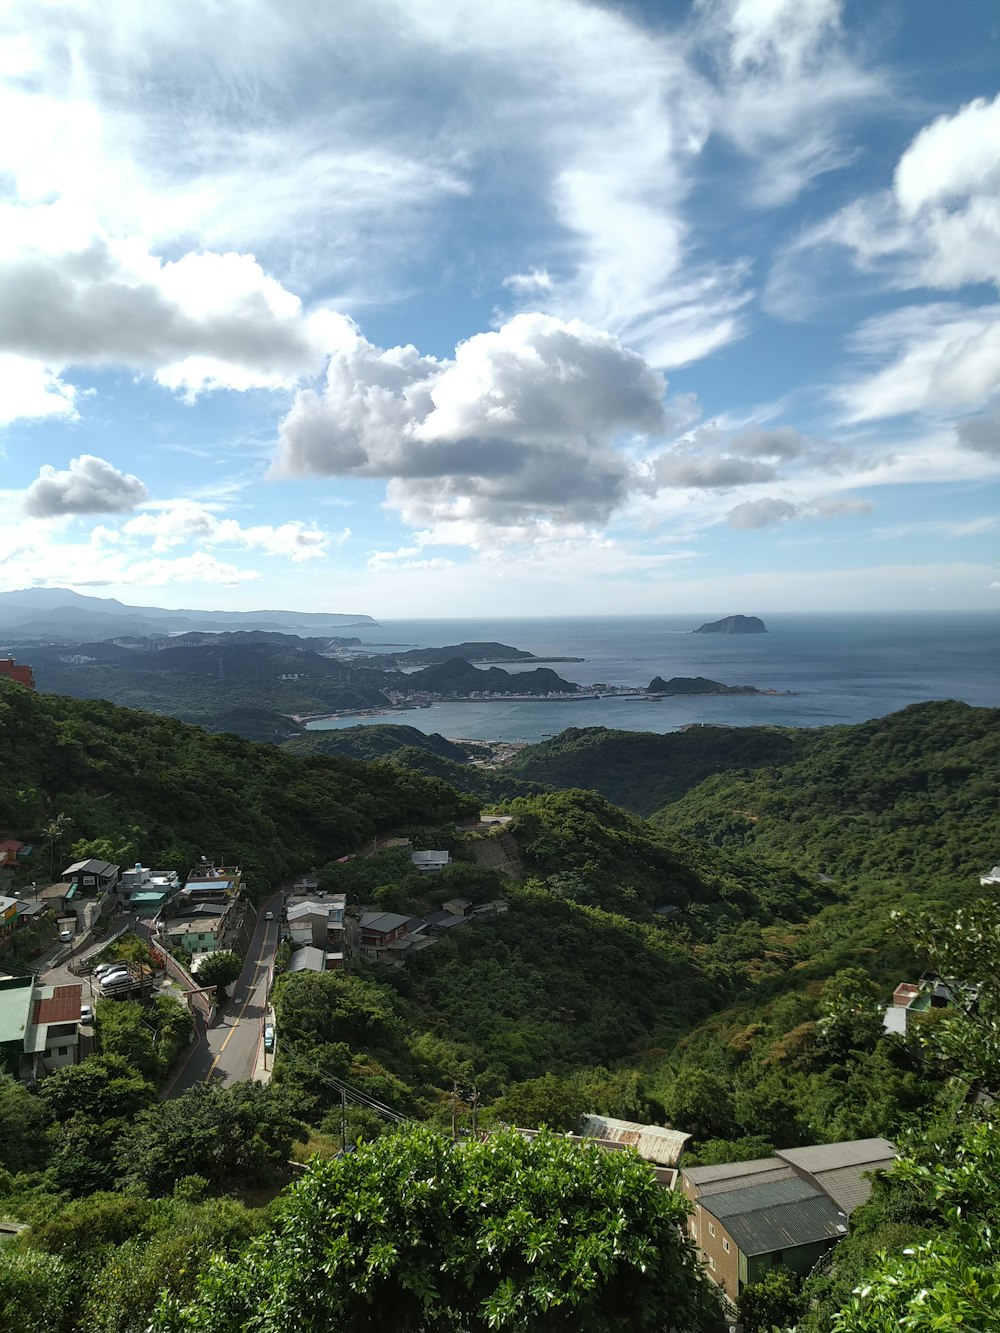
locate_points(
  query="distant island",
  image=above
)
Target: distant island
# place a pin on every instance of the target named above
(733, 625)
(701, 685)
(474, 652)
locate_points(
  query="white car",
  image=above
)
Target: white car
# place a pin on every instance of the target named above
(65, 937)
(113, 978)
(102, 969)
(86, 1014)
(268, 916)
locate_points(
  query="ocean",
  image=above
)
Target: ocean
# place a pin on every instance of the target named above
(840, 668)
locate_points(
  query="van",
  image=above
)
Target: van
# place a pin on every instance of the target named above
(268, 1036)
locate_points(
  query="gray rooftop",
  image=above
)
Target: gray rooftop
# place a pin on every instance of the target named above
(706, 1175)
(777, 1215)
(309, 959)
(841, 1169)
(779, 1171)
(382, 922)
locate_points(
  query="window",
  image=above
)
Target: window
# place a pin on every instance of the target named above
(711, 1229)
(711, 1263)
(725, 1246)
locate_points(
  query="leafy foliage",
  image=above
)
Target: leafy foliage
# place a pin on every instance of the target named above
(417, 1234)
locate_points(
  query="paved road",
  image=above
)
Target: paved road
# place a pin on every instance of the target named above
(228, 1051)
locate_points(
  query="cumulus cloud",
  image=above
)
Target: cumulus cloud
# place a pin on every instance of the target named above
(769, 511)
(202, 321)
(522, 421)
(936, 226)
(183, 522)
(30, 391)
(88, 486)
(678, 468)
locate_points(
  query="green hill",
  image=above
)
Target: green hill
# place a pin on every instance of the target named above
(173, 792)
(912, 795)
(642, 771)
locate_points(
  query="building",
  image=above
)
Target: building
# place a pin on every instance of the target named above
(319, 922)
(146, 892)
(656, 1143)
(385, 937)
(911, 998)
(781, 1211)
(309, 959)
(458, 906)
(92, 878)
(430, 861)
(992, 877)
(14, 853)
(8, 914)
(22, 674)
(39, 1026)
(197, 927)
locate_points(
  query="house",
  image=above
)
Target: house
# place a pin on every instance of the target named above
(39, 1026)
(309, 959)
(194, 927)
(22, 674)
(911, 998)
(444, 920)
(656, 1143)
(8, 914)
(93, 876)
(427, 862)
(13, 853)
(146, 891)
(319, 921)
(781, 1211)
(387, 936)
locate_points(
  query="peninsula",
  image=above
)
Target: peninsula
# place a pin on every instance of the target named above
(473, 652)
(701, 685)
(733, 625)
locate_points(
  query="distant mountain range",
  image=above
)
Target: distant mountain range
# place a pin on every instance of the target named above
(58, 613)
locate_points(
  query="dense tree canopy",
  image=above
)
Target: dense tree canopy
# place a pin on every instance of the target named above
(416, 1233)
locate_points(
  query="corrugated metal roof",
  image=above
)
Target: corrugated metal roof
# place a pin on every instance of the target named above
(777, 1215)
(309, 959)
(382, 922)
(779, 1171)
(848, 1187)
(62, 1005)
(656, 1143)
(703, 1175)
(831, 1156)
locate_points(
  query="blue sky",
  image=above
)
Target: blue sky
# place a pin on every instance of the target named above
(439, 309)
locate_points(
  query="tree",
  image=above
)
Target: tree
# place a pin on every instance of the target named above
(36, 1292)
(240, 1135)
(53, 833)
(101, 1087)
(23, 1117)
(220, 969)
(773, 1303)
(420, 1235)
(700, 1102)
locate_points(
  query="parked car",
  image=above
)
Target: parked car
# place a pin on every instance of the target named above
(65, 937)
(268, 916)
(114, 978)
(268, 1036)
(86, 1014)
(102, 969)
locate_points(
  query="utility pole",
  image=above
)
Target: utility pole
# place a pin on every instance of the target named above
(454, 1110)
(474, 1103)
(343, 1120)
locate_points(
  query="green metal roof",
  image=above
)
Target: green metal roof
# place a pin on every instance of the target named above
(777, 1215)
(15, 1008)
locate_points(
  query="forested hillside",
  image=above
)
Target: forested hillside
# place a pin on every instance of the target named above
(912, 795)
(643, 771)
(168, 793)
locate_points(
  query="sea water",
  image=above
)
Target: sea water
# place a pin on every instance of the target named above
(838, 668)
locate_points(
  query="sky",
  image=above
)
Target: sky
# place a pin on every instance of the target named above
(437, 308)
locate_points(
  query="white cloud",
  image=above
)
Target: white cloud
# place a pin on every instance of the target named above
(770, 511)
(202, 321)
(88, 486)
(183, 522)
(941, 358)
(981, 433)
(936, 227)
(29, 391)
(521, 424)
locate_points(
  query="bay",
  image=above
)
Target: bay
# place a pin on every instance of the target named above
(840, 668)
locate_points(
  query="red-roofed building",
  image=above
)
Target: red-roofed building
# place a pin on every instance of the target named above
(22, 674)
(39, 1026)
(62, 1006)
